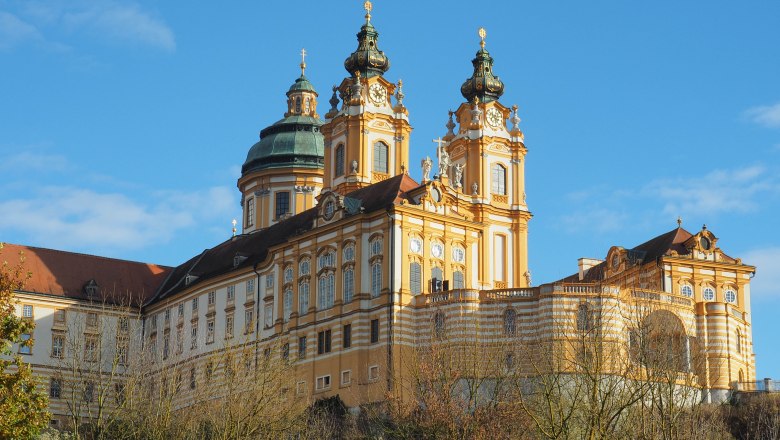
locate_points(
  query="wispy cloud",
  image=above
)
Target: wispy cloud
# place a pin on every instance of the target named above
(725, 191)
(106, 20)
(765, 115)
(14, 31)
(28, 161)
(767, 262)
(68, 217)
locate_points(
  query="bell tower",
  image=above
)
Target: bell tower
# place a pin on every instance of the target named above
(282, 174)
(367, 139)
(487, 163)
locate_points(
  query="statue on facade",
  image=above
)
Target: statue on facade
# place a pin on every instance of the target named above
(459, 174)
(427, 165)
(474, 189)
(527, 275)
(354, 166)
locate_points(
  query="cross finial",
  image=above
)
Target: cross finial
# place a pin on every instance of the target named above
(368, 6)
(482, 34)
(303, 61)
(679, 221)
(440, 141)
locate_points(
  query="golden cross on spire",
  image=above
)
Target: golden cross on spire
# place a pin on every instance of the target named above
(368, 6)
(303, 61)
(482, 34)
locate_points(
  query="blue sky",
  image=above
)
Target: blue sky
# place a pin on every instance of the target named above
(123, 124)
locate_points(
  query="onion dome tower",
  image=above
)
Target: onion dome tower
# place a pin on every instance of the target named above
(282, 173)
(482, 84)
(367, 139)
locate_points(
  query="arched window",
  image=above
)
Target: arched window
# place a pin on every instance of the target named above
(250, 212)
(349, 284)
(325, 291)
(339, 160)
(288, 274)
(380, 157)
(686, 290)
(584, 318)
(415, 278)
(498, 180)
(288, 300)
(349, 252)
(510, 322)
(457, 280)
(304, 267)
(303, 297)
(297, 104)
(739, 341)
(438, 324)
(376, 279)
(327, 259)
(708, 294)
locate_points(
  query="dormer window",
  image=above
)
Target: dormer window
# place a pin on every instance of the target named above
(91, 288)
(189, 279)
(330, 208)
(705, 243)
(238, 259)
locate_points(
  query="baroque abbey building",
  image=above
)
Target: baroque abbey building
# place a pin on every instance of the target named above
(345, 265)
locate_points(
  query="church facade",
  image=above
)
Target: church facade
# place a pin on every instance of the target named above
(345, 264)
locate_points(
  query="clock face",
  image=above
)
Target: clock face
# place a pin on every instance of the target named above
(494, 117)
(378, 94)
(437, 250)
(415, 245)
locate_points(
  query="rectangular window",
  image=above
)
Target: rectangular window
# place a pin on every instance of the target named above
(346, 377)
(374, 331)
(300, 388)
(250, 287)
(269, 280)
(499, 262)
(415, 278)
(347, 336)
(59, 316)
(286, 351)
(195, 304)
(282, 203)
(269, 315)
(229, 325)
(123, 324)
(250, 212)
(23, 347)
(349, 284)
(376, 279)
(27, 311)
(323, 382)
(249, 321)
(181, 310)
(89, 392)
(91, 319)
(192, 378)
(302, 347)
(179, 340)
(373, 372)
(231, 293)
(167, 316)
(55, 388)
(339, 160)
(166, 344)
(121, 351)
(194, 337)
(90, 348)
(153, 323)
(323, 342)
(210, 331)
(57, 346)
(380, 157)
(212, 298)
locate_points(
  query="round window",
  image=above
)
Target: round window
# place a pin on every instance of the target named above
(686, 291)
(458, 254)
(731, 296)
(709, 294)
(437, 250)
(705, 243)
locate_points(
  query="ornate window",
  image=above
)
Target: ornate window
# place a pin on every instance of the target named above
(686, 290)
(328, 259)
(380, 157)
(349, 284)
(731, 296)
(326, 291)
(457, 280)
(349, 252)
(304, 267)
(376, 279)
(288, 274)
(458, 254)
(415, 278)
(303, 297)
(339, 160)
(375, 247)
(510, 322)
(708, 294)
(498, 180)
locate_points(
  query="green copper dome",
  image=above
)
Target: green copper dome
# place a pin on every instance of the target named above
(367, 58)
(294, 141)
(301, 84)
(482, 84)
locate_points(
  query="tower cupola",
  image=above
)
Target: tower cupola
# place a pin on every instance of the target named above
(482, 84)
(367, 58)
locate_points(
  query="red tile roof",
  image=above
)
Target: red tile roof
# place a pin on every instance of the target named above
(63, 273)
